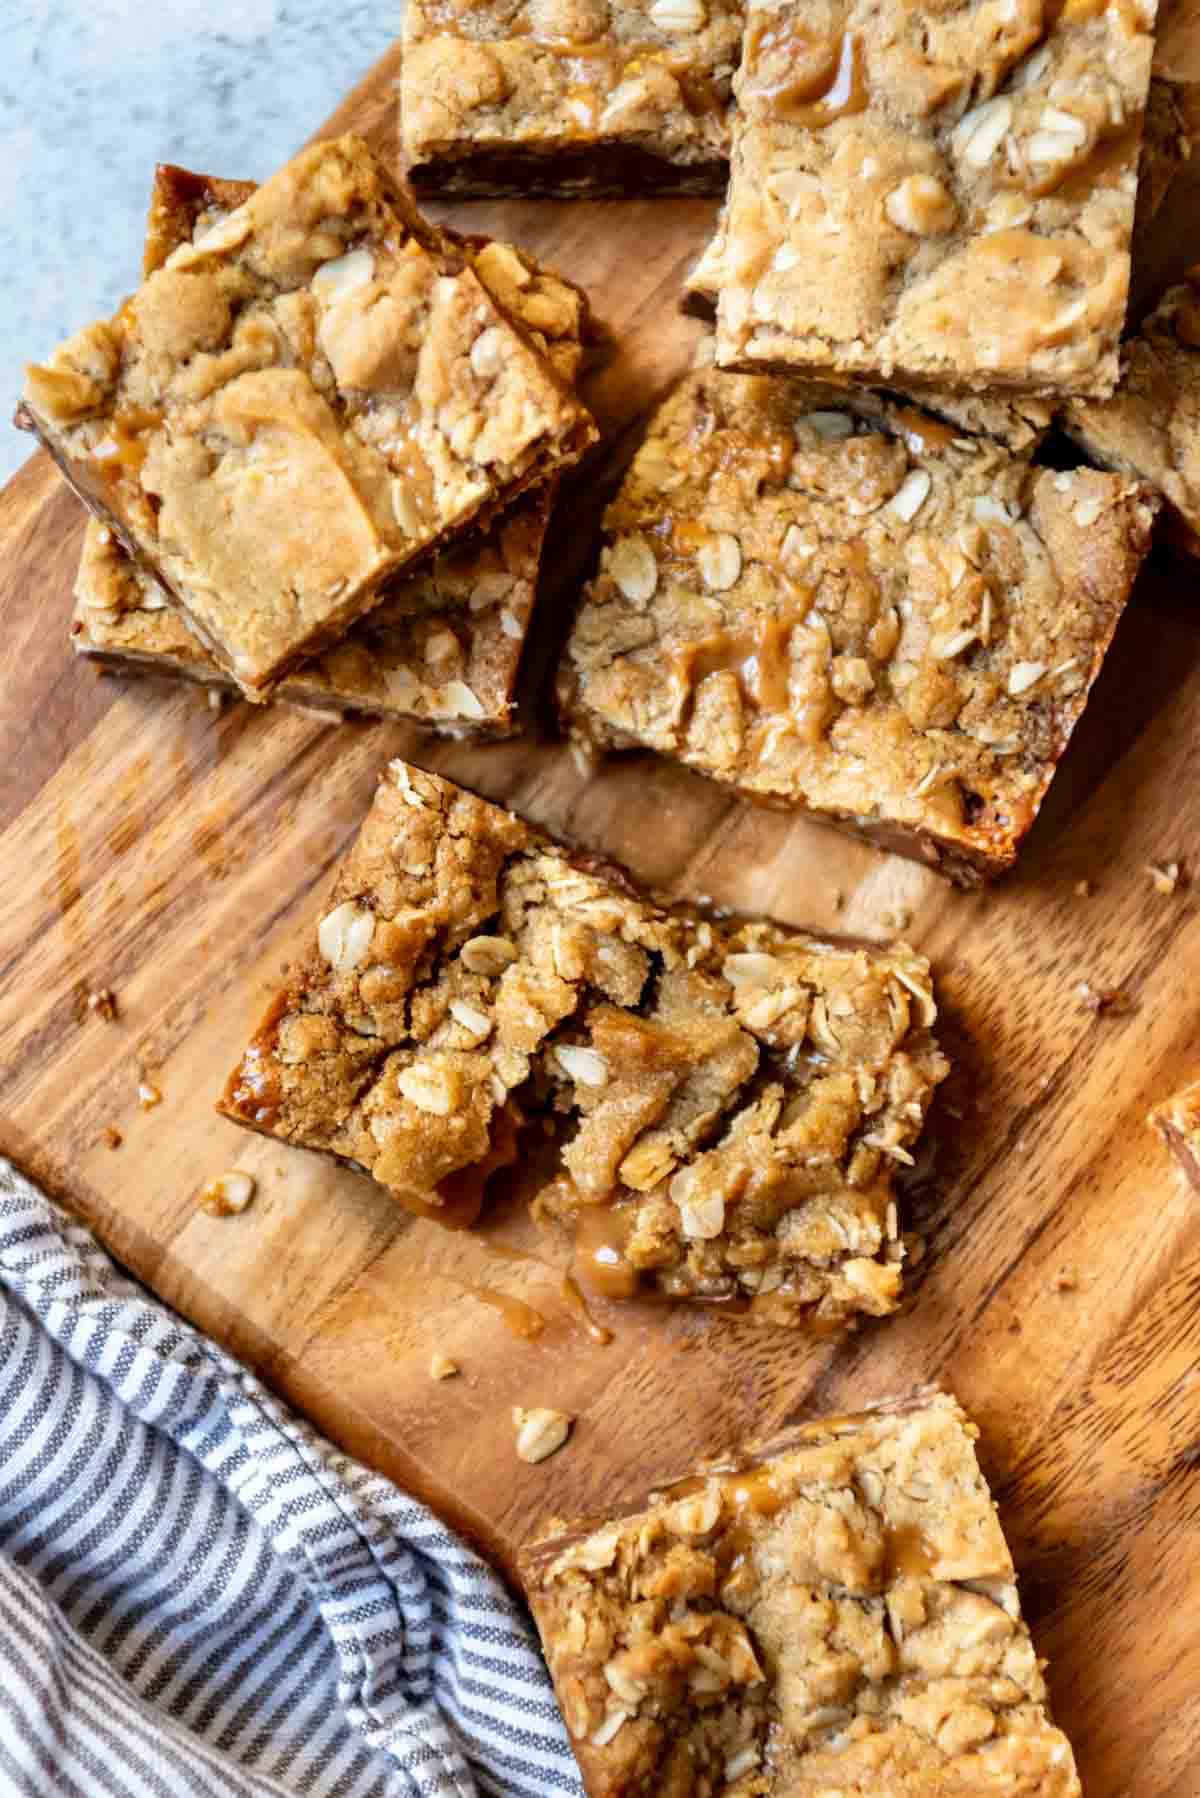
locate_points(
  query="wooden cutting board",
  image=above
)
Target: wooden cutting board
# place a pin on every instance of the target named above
(178, 857)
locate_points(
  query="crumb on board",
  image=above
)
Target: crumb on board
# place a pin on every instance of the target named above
(148, 1095)
(102, 1003)
(441, 1367)
(1064, 1280)
(541, 1431)
(1083, 889)
(1165, 877)
(227, 1194)
(1105, 1001)
(111, 1137)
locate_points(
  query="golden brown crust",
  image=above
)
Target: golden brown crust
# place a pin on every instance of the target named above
(297, 406)
(835, 602)
(957, 189)
(832, 1617)
(731, 1100)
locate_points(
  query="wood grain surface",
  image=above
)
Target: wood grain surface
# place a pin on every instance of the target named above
(178, 857)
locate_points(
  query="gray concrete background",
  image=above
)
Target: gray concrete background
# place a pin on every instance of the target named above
(94, 92)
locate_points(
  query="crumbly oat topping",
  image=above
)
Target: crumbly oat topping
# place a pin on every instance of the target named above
(834, 1615)
(1150, 428)
(732, 1100)
(910, 631)
(296, 406)
(957, 188)
(568, 95)
(444, 647)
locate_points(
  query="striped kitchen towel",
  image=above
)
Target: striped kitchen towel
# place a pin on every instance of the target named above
(200, 1595)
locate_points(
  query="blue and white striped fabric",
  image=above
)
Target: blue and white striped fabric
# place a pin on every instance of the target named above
(199, 1595)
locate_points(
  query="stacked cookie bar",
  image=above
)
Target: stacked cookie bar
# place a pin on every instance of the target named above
(321, 444)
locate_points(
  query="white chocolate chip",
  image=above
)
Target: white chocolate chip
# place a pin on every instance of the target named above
(719, 560)
(1087, 511)
(1024, 675)
(344, 936)
(632, 565)
(227, 1194)
(343, 274)
(911, 495)
(510, 624)
(921, 206)
(541, 1431)
(586, 1066)
(487, 352)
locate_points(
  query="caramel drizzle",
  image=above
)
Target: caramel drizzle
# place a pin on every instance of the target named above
(759, 657)
(820, 82)
(124, 450)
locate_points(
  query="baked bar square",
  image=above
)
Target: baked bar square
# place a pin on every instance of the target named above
(1150, 428)
(1018, 421)
(935, 197)
(831, 1615)
(443, 648)
(837, 603)
(442, 651)
(298, 406)
(730, 1101)
(1177, 1121)
(567, 97)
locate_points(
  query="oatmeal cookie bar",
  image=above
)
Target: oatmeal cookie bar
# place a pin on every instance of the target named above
(730, 1100)
(837, 603)
(1019, 422)
(1150, 428)
(1177, 1120)
(444, 647)
(568, 97)
(831, 1615)
(942, 197)
(442, 651)
(297, 407)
